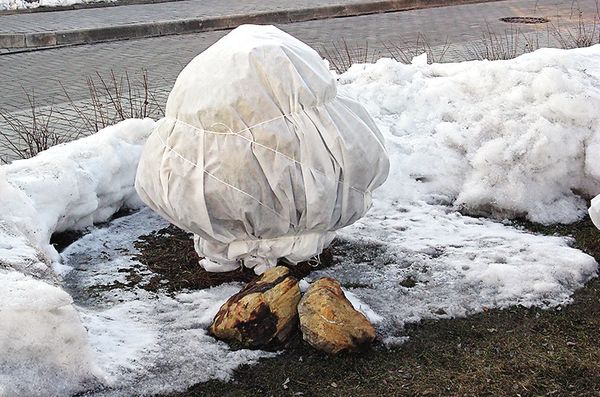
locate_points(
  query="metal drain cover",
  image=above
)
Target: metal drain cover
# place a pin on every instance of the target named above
(524, 20)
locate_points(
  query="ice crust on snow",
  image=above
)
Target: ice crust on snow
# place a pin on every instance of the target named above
(510, 138)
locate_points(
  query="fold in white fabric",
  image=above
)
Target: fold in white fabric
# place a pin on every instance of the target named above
(595, 211)
(258, 156)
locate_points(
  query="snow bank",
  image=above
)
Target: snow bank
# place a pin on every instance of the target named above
(43, 344)
(506, 138)
(21, 4)
(69, 186)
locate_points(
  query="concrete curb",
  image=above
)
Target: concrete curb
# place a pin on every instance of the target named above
(196, 25)
(81, 6)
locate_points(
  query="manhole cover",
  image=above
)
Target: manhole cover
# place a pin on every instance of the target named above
(524, 20)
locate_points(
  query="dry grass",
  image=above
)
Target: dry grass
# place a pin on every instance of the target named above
(584, 34)
(342, 55)
(115, 99)
(406, 53)
(499, 46)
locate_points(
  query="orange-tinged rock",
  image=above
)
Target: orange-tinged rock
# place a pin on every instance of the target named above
(263, 313)
(328, 320)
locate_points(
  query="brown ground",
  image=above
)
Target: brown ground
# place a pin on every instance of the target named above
(170, 254)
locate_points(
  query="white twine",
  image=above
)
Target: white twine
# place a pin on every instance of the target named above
(252, 141)
(197, 130)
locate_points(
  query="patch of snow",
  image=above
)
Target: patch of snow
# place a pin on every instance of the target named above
(595, 211)
(303, 284)
(362, 307)
(394, 341)
(24, 4)
(460, 265)
(43, 344)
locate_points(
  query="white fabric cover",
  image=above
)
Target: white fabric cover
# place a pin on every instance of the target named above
(595, 211)
(257, 155)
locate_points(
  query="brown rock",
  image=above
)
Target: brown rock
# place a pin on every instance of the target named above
(263, 313)
(329, 322)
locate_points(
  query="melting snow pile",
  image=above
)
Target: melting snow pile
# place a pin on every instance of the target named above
(516, 138)
(507, 138)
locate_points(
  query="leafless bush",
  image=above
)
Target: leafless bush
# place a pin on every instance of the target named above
(341, 55)
(584, 34)
(506, 45)
(405, 53)
(115, 99)
(24, 135)
(111, 99)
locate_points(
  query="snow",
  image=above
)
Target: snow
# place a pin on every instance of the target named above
(43, 342)
(509, 139)
(460, 265)
(23, 4)
(515, 138)
(506, 138)
(68, 186)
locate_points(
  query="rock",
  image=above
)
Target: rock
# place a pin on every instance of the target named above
(263, 313)
(329, 322)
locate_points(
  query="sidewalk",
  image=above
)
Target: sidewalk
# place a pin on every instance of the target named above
(94, 25)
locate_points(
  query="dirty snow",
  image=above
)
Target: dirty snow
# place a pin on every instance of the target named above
(505, 138)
